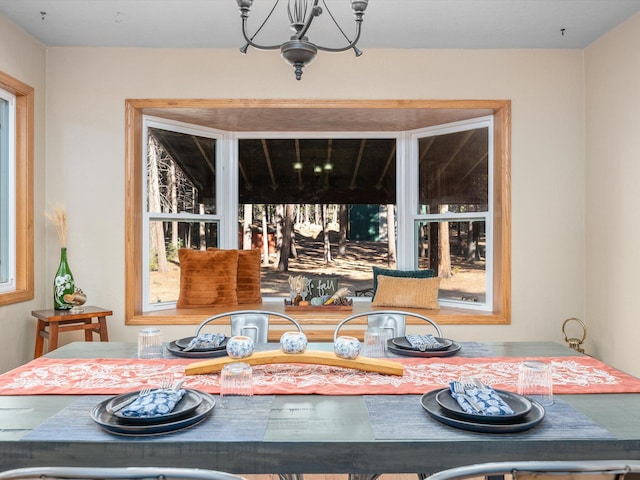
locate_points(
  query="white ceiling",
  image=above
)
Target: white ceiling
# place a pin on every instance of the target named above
(387, 23)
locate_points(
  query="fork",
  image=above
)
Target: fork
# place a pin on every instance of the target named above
(478, 383)
(472, 383)
(459, 389)
(166, 383)
(120, 405)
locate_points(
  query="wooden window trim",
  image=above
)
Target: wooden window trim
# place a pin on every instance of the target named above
(23, 188)
(134, 111)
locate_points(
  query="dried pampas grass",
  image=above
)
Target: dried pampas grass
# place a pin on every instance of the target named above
(59, 219)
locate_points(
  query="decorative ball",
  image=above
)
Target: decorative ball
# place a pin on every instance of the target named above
(347, 347)
(239, 346)
(293, 342)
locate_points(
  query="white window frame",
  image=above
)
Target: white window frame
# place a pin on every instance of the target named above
(8, 195)
(407, 197)
(412, 194)
(222, 196)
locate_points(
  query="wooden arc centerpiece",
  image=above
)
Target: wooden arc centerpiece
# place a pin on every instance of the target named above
(317, 357)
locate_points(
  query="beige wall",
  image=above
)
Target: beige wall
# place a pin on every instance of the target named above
(612, 74)
(86, 89)
(24, 58)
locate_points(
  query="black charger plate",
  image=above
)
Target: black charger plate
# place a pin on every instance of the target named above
(452, 350)
(184, 343)
(402, 342)
(179, 352)
(530, 420)
(519, 404)
(116, 425)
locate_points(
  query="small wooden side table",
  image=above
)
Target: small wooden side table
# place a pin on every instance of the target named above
(60, 321)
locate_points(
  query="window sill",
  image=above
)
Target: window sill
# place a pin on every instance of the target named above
(444, 316)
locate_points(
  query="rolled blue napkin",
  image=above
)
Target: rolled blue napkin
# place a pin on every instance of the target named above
(154, 404)
(484, 398)
(423, 342)
(205, 340)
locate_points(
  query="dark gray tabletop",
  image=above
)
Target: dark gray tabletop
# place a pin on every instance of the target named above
(316, 433)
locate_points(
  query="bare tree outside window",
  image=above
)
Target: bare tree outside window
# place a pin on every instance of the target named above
(177, 186)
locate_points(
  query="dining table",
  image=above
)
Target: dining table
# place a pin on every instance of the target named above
(315, 424)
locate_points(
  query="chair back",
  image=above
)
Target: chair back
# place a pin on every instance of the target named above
(393, 323)
(544, 470)
(392, 320)
(128, 473)
(251, 323)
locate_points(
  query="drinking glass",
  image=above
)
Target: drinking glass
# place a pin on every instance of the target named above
(375, 342)
(150, 343)
(535, 381)
(236, 385)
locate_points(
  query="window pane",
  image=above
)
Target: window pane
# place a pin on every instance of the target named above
(180, 172)
(165, 238)
(454, 171)
(456, 251)
(333, 196)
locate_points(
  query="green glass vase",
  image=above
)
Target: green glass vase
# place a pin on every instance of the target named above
(63, 283)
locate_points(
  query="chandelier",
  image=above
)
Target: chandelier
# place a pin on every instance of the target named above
(298, 51)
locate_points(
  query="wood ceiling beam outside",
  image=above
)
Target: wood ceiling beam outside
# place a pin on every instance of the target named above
(329, 148)
(356, 168)
(478, 162)
(463, 140)
(243, 172)
(204, 154)
(426, 148)
(299, 160)
(267, 157)
(392, 155)
(435, 179)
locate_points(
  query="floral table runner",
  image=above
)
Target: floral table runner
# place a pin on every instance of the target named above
(579, 374)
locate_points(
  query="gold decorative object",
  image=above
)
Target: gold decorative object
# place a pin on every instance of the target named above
(575, 343)
(317, 357)
(77, 299)
(338, 297)
(59, 219)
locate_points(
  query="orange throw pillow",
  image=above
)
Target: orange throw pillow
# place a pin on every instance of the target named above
(249, 276)
(407, 292)
(248, 282)
(207, 278)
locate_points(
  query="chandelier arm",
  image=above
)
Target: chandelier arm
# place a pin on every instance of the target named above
(251, 42)
(264, 21)
(352, 43)
(324, 2)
